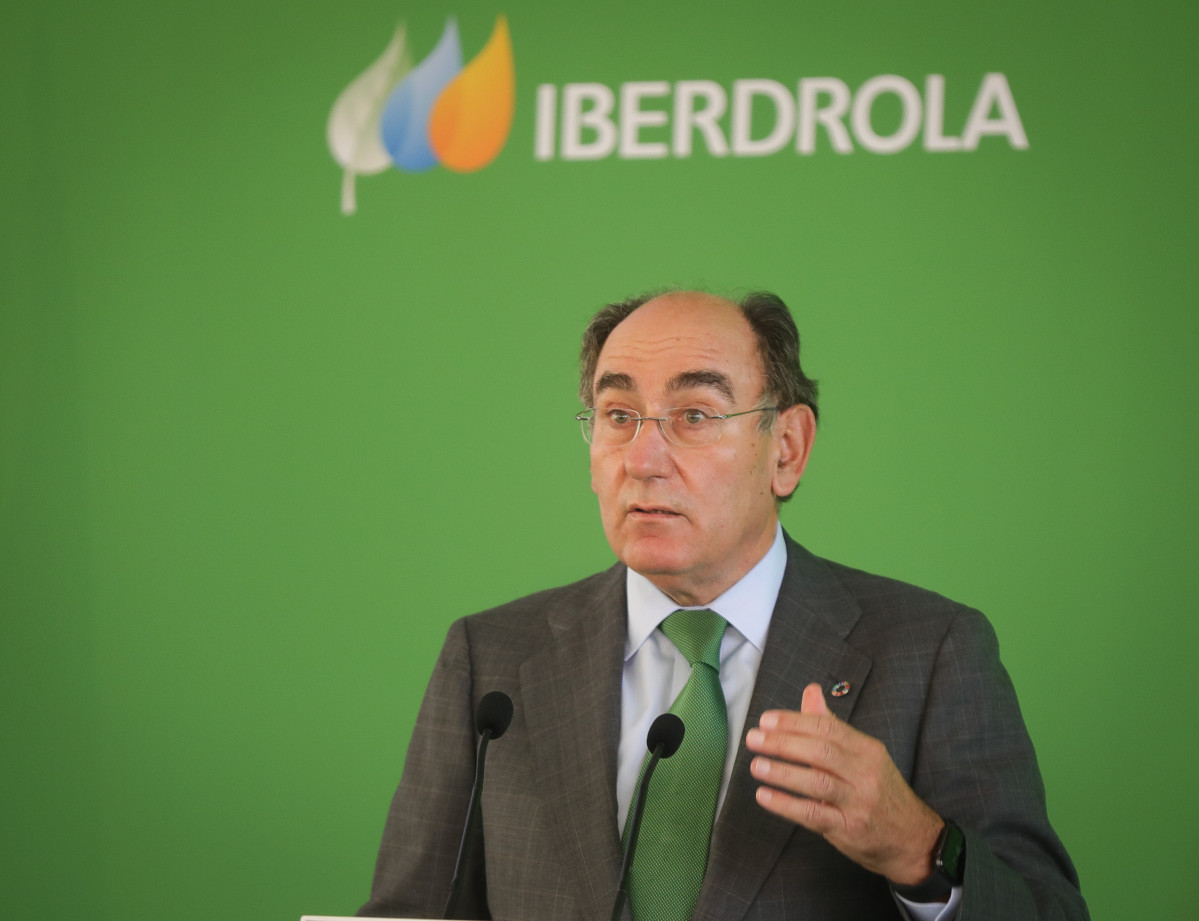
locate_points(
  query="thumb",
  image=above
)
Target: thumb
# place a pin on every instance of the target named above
(813, 700)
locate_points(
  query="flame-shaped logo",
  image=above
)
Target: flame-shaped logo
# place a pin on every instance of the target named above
(438, 112)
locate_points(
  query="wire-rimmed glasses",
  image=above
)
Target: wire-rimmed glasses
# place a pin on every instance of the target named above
(687, 427)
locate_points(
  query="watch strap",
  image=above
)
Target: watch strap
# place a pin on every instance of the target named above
(949, 868)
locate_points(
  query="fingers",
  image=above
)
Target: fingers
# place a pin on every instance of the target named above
(812, 814)
(807, 760)
(812, 737)
(823, 774)
(813, 700)
(802, 779)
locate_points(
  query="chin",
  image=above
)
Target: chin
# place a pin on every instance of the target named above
(644, 557)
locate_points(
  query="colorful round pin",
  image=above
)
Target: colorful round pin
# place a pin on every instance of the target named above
(841, 688)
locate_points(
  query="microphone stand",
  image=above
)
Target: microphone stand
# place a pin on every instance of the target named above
(638, 810)
(457, 883)
(492, 717)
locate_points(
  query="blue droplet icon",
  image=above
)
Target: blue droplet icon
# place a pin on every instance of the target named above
(404, 126)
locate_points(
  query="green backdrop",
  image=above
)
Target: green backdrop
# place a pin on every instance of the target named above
(255, 455)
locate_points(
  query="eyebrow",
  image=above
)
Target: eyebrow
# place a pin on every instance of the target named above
(614, 380)
(689, 380)
(686, 380)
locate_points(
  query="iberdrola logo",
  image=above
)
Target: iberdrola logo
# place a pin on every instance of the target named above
(438, 112)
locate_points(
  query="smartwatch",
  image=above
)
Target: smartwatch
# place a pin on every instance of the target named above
(949, 868)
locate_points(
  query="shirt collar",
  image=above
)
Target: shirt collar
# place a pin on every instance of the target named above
(747, 605)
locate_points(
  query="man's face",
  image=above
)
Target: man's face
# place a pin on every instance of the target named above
(693, 520)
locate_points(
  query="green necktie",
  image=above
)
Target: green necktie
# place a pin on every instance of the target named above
(672, 850)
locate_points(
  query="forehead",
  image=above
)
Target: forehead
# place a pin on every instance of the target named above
(677, 339)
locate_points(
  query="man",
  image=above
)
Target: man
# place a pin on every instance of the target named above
(873, 736)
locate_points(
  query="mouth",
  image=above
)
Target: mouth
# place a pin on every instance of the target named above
(653, 511)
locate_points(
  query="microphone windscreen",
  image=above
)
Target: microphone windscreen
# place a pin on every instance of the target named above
(667, 730)
(494, 713)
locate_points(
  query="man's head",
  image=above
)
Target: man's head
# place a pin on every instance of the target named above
(692, 519)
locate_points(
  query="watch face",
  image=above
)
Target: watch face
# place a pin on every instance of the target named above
(952, 858)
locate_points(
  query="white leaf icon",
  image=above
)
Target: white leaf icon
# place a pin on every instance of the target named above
(353, 132)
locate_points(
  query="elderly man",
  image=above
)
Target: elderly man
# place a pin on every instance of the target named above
(854, 749)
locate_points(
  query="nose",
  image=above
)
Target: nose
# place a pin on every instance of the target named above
(649, 454)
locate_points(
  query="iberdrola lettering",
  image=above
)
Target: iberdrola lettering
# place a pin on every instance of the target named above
(657, 119)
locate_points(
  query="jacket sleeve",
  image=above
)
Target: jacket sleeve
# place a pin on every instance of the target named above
(975, 764)
(424, 823)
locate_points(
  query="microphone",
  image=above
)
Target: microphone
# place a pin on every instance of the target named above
(491, 721)
(494, 713)
(663, 740)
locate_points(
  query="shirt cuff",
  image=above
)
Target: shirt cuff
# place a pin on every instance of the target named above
(930, 911)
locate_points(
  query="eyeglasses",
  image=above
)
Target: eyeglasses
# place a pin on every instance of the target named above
(687, 427)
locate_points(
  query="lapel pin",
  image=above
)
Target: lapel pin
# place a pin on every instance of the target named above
(841, 688)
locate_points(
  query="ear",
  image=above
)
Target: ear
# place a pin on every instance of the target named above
(794, 432)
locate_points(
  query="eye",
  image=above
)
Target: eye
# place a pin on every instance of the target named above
(693, 417)
(618, 418)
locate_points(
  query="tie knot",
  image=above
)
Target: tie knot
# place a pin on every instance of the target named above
(697, 634)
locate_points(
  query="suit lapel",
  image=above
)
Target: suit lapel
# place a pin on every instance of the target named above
(806, 643)
(570, 693)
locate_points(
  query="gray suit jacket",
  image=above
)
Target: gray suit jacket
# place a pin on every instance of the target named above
(924, 677)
